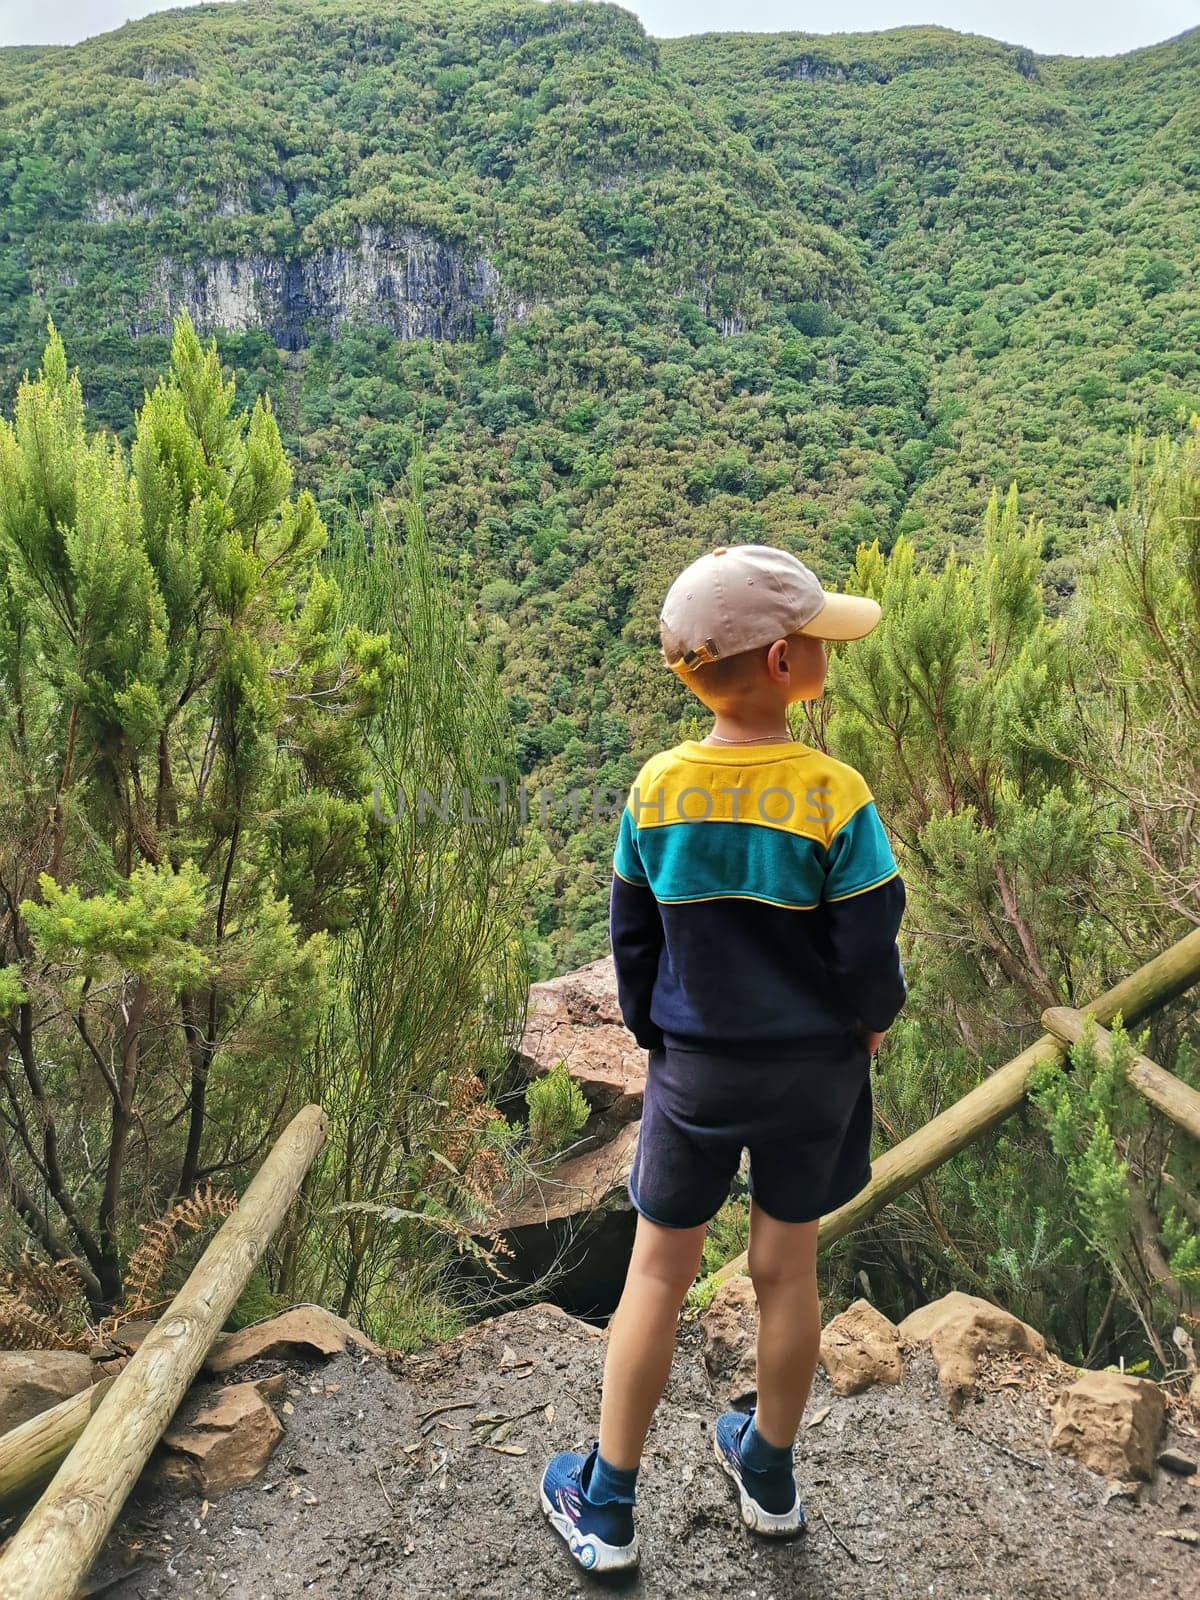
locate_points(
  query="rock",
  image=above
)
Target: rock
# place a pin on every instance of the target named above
(575, 1221)
(960, 1328)
(1109, 1422)
(861, 1347)
(224, 1443)
(304, 1332)
(31, 1381)
(576, 1018)
(116, 1350)
(403, 278)
(1175, 1461)
(730, 1327)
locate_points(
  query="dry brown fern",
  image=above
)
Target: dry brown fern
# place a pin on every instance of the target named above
(41, 1306)
(24, 1327)
(46, 1285)
(162, 1240)
(479, 1167)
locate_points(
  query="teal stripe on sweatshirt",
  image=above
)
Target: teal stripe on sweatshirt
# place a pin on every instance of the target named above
(627, 862)
(860, 855)
(714, 860)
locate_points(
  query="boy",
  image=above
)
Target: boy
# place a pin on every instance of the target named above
(754, 910)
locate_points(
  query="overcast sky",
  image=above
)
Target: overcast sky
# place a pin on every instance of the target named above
(1052, 27)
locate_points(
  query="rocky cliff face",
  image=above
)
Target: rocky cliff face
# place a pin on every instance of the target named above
(402, 278)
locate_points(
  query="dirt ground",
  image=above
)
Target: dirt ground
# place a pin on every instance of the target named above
(364, 1502)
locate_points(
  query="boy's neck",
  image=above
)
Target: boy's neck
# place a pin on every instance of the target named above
(743, 727)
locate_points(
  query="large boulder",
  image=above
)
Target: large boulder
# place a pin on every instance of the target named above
(962, 1328)
(31, 1381)
(575, 1018)
(861, 1347)
(1111, 1423)
(225, 1441)
(575, 1222)
(303, 1333)
(730, 1326)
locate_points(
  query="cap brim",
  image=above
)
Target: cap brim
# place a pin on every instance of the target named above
(844, 616)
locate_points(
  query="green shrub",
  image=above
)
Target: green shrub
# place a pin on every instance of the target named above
(728, 1234)
(557, 1111)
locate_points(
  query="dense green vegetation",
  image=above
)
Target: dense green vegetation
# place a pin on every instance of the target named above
(1039, 774)
(922, 307)
(207, 920)
(815, 289)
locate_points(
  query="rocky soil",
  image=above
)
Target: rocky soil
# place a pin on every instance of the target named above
(418, 1477)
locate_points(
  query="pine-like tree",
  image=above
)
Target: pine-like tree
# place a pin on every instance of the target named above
(184, 796)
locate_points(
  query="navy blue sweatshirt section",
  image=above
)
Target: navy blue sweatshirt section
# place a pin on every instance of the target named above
(751, 975)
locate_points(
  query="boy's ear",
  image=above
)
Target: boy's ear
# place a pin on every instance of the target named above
(778, 663)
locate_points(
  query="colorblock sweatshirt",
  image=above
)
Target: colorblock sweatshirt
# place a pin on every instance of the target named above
(755, 902)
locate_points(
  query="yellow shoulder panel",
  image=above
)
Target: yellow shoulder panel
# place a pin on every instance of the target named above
(804, 792)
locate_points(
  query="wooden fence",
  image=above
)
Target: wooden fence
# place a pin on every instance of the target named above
(1164, 978)
(60, 1538)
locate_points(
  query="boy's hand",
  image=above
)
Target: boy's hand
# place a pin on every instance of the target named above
(870, 1038)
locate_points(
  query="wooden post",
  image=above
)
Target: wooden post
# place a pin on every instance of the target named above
(1163, 1089)
(53, 1550)
(998, 1096)
(30, 1452)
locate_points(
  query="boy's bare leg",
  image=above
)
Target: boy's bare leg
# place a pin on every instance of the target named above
(641, 1336)
(783, 1267)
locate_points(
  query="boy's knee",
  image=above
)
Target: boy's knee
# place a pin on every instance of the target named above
(670, 1262)
(673, 1278)
(772, 1269)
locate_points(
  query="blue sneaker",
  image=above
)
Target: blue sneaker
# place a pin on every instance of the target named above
(770, 1502)
(601, 1538)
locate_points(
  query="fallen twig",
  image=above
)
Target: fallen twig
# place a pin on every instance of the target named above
(853, 1554)
(1028, 1461)
(451, 1405)
(386, 1495)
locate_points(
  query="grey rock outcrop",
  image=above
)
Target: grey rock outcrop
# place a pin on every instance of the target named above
(403, 279)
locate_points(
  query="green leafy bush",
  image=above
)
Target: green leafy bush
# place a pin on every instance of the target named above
(557, 1111)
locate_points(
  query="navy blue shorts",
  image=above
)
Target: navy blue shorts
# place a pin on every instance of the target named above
(806, 1122)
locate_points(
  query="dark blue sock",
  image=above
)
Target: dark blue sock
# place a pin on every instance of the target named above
(758, 1454)
(610, 1483)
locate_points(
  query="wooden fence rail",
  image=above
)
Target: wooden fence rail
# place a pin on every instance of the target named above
(30, 1452)
(1166, 1092)
(1164, 978)
(58, 1541)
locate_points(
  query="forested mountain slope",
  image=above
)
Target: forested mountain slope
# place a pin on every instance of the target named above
(636, 297)
(1031, 221)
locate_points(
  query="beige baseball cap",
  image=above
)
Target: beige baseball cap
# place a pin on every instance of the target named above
(740, 596)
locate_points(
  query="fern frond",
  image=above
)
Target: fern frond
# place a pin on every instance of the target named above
(23, 1327)
(162, 1240)
(49, 1285)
